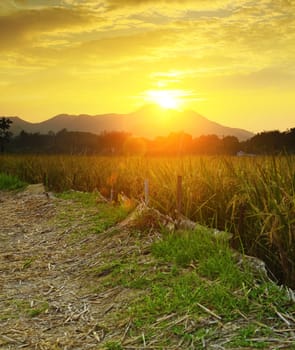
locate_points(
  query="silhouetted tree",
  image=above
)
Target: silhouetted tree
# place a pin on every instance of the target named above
(5, 134)
(271, 142)
(119, 143)
(135, 145)
(207, 145)
(290, 140)
(230, 145)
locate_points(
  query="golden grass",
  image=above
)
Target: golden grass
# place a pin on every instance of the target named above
(251, 197)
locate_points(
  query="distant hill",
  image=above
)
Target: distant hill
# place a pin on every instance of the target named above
(149, 121)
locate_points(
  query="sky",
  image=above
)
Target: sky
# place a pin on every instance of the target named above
(233, 61)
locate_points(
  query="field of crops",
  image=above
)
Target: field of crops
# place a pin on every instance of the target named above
(253, 198)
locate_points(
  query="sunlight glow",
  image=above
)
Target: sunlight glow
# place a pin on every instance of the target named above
(168, 99)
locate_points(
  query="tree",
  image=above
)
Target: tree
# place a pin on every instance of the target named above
(5, 134)
(230, 145)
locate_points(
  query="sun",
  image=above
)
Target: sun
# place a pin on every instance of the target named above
(167, 99)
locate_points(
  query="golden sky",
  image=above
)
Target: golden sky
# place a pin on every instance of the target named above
(232, 61)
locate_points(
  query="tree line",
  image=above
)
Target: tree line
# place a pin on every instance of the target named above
(123, 143)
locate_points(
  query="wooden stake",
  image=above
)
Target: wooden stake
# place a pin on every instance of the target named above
(146, 191)
(179, 195)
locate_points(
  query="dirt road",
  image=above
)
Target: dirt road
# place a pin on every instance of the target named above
(46, 301)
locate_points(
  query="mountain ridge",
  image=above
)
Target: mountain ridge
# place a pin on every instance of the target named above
(148, 121)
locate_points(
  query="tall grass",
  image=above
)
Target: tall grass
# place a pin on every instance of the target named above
(254, 198)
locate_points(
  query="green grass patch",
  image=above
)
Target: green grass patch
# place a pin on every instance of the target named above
(9, 182)
(247, 334)
(103, 214)
(113, 345)
(125, 273)
(107, 216)
(202, 249)
(23, 307)
(203, 275)
(86, 199)
(190, 273)
(38, 310)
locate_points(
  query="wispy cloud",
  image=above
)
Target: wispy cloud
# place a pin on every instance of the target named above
(25, 26)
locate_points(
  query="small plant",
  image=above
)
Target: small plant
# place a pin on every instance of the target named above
(113, 345)
(30, 310)
(9, 182)
(34, 312)
(27, 263)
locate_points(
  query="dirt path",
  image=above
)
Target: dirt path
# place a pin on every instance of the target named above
(45, 303)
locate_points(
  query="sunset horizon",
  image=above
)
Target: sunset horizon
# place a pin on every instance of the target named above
(233, 63)
(161, 109)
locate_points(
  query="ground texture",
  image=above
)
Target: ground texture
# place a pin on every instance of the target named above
(54, 291)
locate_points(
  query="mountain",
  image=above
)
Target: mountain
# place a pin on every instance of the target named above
(149, 121)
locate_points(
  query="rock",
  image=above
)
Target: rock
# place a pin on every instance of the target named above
(35, 189)
(255, 265)
(147, 219)
(183, 223)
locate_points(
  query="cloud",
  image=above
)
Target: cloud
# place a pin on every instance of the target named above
(21, 2)
(194, 3)
(282, 78)
(22, 27)
(143, 46)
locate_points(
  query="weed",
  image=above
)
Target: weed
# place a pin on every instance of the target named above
(31, 310)
(34, 312)
(113, 345)
(10, 182)
(27, 263)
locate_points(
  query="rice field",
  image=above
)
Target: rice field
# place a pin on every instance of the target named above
(253, 198)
